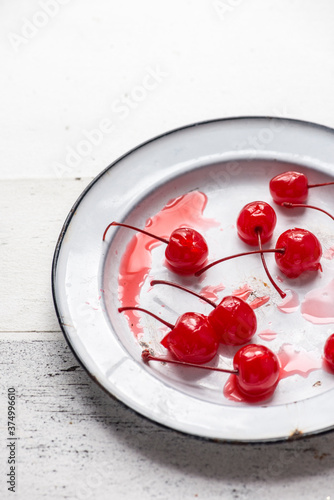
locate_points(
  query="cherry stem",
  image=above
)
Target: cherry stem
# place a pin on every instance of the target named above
(175, 285)
(135, 229)
(277, 288)
(302, 205)
(134, 308)
(319, 185)
(272, 250)
(147, 356)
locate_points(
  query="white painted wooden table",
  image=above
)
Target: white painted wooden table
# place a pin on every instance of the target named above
(82, 83)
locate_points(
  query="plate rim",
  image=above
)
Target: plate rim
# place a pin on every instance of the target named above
(66, 225)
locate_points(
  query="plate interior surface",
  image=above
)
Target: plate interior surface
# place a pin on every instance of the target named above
(217, 167)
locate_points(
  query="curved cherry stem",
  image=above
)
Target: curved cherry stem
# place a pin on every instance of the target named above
(277, 288)
(302, 205)
(133, 308)
(175, 285)
(319, 185)
(135, 229)
(147, 356)
(253, 252)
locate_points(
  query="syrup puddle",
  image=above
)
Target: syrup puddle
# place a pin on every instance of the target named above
(231, 391)
(186, 210)
(329, 254)
(267, 335)
(242, 292)
(259, 301)
(210, 291)
(318, 305)
(297, 363)
(245, 291)
(290, 303)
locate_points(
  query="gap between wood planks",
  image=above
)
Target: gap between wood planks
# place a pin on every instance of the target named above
(45, 335)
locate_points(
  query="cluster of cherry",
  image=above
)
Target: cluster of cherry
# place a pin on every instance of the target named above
(195, 338)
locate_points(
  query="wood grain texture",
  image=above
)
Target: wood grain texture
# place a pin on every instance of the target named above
(33, 212)
(83, 66)
(76, 442)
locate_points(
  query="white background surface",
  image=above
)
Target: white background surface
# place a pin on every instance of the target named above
(89, 65)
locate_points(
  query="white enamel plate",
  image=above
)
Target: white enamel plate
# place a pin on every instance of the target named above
(225, 163)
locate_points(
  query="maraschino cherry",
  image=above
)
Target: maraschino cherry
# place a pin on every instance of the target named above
(257, 217)
(258, 372)
(255, 225)
(255, 371)
(291, 187)
(302, 252)
(233, 320)
(186, 250)
(297, 250)
(329, 352)
(191, 339)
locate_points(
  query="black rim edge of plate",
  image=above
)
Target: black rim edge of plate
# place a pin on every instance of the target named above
(292, 438)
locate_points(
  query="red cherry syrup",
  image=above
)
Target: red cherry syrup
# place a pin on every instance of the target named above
(136, 261)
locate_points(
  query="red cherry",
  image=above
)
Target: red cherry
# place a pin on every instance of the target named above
(291, 187)
(258, 372)
(186, 250)
(329, 352)
(302, 252)
(192, 338)
(256, 217)
(233, 320)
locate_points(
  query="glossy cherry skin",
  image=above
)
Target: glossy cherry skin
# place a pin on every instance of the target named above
(233, 320)
(258, 369)
(302, 252)
(329, 352)
(192, 339)
(256, 216)
(289, 187)
(186, 251)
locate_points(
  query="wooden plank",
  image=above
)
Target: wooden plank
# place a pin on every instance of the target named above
(32, 214)
(76, 442)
